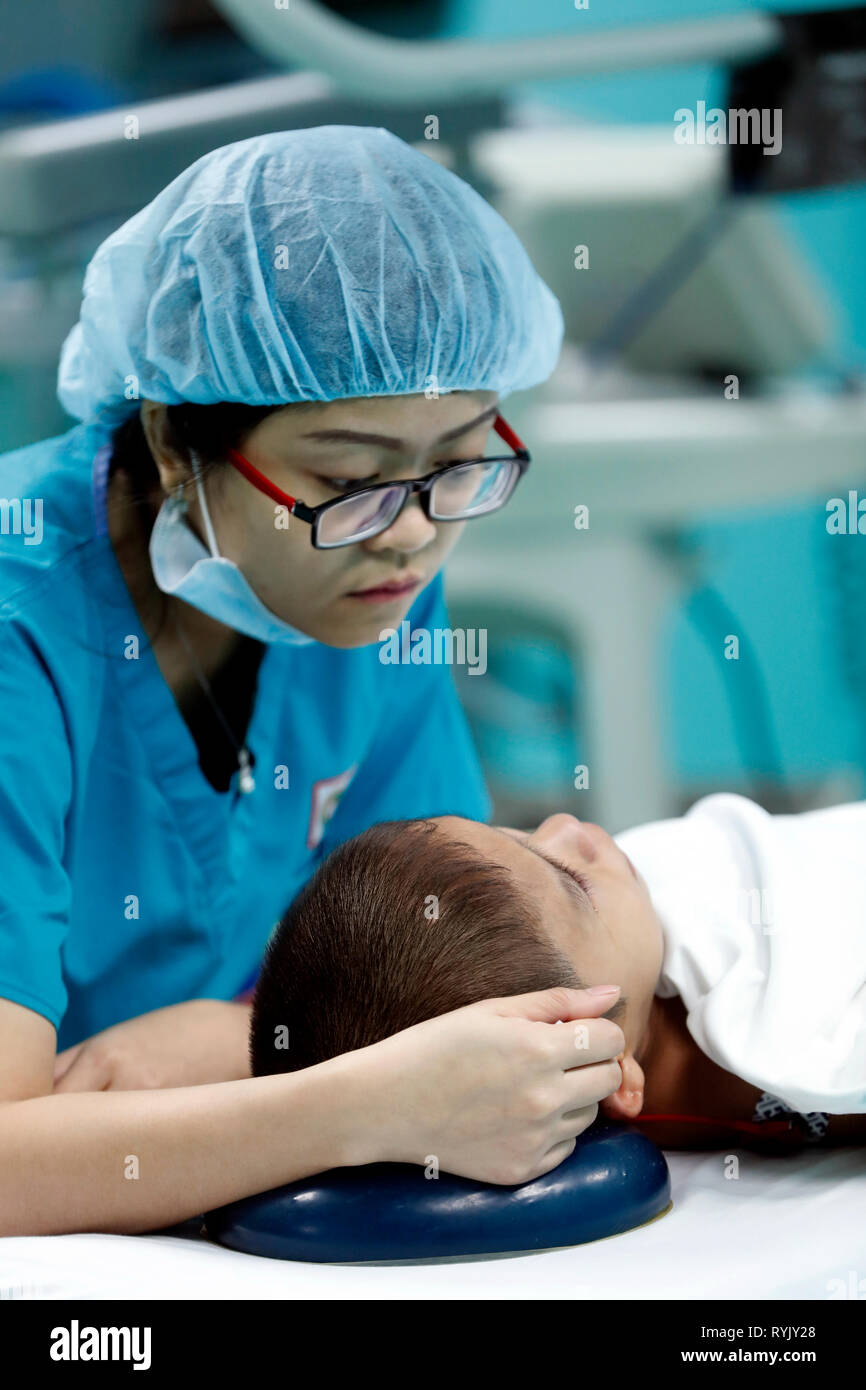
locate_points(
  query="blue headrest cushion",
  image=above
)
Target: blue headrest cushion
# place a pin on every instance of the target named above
(614, 1180)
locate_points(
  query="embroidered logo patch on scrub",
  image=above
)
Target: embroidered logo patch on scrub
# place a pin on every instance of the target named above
(326, 795)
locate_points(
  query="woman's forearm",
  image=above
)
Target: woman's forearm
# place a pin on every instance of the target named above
(132, 1161)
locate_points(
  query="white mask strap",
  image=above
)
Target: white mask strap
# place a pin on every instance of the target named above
(211, 535)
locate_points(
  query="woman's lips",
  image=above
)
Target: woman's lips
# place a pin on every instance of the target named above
(386, 593)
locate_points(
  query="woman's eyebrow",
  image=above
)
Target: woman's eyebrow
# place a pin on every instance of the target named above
(388, 441)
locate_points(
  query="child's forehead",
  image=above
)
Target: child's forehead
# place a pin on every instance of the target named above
(470, 831)
(500, 844)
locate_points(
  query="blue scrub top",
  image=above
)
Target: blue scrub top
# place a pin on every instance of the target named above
(128, 882)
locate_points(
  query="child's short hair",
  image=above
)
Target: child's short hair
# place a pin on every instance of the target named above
(400, 924)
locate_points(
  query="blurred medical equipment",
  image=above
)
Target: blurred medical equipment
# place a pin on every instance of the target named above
(690, 297)
(732, 300)
(367, 64)
(818, 76)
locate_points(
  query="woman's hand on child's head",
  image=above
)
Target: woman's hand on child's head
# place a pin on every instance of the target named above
(497, 1091)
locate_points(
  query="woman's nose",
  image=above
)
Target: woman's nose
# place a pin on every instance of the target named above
(410, 531)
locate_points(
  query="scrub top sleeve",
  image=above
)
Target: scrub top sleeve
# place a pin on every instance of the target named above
(35, 796)
(422, 761)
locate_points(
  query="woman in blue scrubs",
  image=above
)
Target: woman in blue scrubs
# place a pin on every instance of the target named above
(286, 371)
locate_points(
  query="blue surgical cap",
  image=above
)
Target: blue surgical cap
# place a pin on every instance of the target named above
(308, 265)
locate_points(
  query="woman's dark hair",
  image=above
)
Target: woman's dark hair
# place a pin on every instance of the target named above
(208, 429)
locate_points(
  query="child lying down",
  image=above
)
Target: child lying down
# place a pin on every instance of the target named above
(738, 939)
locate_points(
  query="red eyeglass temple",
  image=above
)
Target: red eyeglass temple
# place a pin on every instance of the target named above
(265, 485)
(260, 481)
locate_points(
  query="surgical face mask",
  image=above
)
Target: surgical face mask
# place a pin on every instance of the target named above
(210, 582)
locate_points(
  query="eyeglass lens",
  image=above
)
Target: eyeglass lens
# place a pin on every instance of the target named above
(459, 493)
(465, 492)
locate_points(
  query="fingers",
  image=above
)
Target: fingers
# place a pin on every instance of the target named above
(574, 1123)
(582, 1042)
(551, 1005)
(573, 1106)
(561, 1141)
(554, 1157)
(587, 1085)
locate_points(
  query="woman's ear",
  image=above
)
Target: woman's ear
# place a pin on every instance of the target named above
(173, 467)
(627, 1102)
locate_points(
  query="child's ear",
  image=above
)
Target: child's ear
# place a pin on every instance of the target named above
(627, 1102)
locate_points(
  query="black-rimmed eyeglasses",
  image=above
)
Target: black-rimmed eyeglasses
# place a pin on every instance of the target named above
(455, 492)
